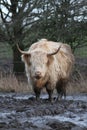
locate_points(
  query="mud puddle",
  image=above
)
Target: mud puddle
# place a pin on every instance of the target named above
(23, 112)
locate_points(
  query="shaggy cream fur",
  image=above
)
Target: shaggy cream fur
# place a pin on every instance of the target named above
(52, 68)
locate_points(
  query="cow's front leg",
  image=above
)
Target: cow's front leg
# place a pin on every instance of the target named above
(37, 93)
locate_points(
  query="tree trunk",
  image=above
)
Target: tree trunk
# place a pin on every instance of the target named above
(18, 65)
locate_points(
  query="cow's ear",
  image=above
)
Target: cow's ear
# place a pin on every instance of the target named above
(50, 59)
(26, 58)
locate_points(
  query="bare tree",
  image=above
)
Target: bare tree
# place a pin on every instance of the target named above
(16, 16)
(64, 20)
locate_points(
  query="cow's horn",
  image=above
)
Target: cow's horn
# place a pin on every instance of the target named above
(22, 52)
(53, 53)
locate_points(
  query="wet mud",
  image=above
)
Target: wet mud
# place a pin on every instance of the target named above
(23, 112)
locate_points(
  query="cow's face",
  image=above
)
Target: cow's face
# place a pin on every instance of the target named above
(38, 64)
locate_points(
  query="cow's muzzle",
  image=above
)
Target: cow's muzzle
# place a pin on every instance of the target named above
(37, 75)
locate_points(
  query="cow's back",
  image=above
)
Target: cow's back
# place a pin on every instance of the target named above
(43, 44)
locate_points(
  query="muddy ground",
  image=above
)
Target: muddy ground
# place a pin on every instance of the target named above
(22, 112)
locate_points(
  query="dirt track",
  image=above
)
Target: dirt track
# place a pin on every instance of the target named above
(23, 112)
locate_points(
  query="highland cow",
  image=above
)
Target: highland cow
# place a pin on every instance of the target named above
(48, 64)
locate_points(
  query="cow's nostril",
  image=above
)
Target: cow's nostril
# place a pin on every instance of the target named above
(38, 75)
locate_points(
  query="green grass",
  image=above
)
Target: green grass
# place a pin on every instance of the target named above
(81, 52)
(5, 51)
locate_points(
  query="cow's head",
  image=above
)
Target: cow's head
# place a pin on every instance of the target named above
(38, 62)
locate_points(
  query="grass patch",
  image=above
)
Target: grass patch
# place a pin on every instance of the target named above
(10, 83)
(78, 84)
(5, 51)
(81, 52)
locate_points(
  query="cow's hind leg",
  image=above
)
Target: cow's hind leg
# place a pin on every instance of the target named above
(61, 93)
(50, 93)
(61, 90)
